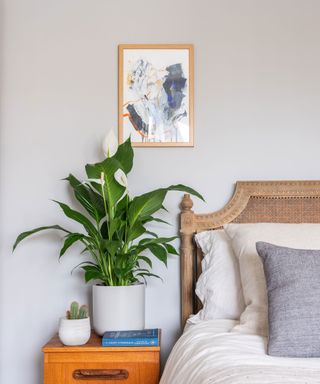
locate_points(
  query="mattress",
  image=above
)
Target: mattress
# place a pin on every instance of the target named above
(208, 352)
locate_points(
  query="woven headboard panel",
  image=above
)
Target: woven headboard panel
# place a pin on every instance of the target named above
(281, 210)
(252, 202)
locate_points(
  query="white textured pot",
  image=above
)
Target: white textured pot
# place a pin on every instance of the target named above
(118, 308)
(74, 332)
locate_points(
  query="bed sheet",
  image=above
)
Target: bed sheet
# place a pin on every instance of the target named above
(208, 352)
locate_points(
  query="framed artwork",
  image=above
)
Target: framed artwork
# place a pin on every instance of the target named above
(156, 95)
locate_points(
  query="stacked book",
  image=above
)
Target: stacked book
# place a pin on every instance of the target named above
(139, 338)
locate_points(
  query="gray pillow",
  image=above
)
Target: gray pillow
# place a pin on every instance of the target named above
(293, 285)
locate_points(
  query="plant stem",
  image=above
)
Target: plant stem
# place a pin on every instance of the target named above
(105, 204)
(125, 246)
(107, 268)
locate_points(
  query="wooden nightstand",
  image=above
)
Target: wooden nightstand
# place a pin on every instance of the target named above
(92, 363)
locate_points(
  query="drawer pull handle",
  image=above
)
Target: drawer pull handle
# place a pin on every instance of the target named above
(100, 374)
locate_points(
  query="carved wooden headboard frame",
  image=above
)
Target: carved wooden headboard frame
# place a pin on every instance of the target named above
(252, 202)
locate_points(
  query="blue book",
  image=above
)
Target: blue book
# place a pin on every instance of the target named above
(135, 338)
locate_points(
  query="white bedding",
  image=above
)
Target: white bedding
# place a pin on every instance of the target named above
(208, 353)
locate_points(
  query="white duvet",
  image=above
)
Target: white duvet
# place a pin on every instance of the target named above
(208, 353)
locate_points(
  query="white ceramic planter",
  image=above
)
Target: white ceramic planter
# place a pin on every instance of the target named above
(74, 332)
(118, 308)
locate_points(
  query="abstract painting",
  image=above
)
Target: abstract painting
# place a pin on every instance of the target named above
(156, 95)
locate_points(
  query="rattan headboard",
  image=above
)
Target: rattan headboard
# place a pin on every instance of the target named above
(252, 202)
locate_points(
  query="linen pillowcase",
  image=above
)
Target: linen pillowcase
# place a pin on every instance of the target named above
(244, 238)
(293, 287)
(218, 287)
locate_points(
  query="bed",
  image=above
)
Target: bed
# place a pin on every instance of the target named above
(210, 351)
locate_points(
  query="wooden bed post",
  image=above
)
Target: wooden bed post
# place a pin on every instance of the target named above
(186, 258)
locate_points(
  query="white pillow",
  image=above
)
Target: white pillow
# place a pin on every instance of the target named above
(218, 286)
(244, 237)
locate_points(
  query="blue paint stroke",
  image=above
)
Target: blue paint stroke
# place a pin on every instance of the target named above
(174, 85)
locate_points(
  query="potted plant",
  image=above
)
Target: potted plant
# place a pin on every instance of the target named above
(116, 235)
(74, 329)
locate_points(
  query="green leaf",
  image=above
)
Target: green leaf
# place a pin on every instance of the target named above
(78, 217)
(125, 155)
(146, 260)
(136, 231)
(184, 188)
(89, 199)
(23, 235)
(159, 252)
(70, 240)
(122, 206)
(170, 249)
(163, 240)
(148, 219)
(159, 240)
(151, 233)
(83, 262)
(116, 224)
(112, 246)
(142, 274)
(104, 230)
(145, 205)
(92, 273)
(112, 189)
(164, 208)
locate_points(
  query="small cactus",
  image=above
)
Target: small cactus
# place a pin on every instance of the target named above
(83, 312)
(75, 313)
(74, 309)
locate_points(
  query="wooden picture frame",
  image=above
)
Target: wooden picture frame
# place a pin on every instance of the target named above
(155, 98)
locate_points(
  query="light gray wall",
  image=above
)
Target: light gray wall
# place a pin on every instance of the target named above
(257, 116)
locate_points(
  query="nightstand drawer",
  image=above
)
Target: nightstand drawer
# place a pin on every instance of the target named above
(93, 364)
(98, 373)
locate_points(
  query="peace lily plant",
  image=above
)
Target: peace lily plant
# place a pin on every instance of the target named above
(114, 225)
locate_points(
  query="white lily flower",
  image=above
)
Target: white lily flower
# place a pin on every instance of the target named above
(100, 181)
(110, 144)
(121, 178)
